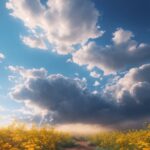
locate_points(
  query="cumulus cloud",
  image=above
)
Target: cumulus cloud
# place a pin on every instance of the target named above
(132, 92)
(34, 42)
(124, 53)
(64, 23)
(122, 36)
(135, 84)
(2, 57)
(69, 101)
(66, 98)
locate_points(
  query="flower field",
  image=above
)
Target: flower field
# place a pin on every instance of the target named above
(21, 138)
(129, 140)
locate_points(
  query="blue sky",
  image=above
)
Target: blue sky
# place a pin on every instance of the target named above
(99, 50)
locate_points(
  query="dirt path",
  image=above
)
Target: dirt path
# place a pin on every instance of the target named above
(82, 145)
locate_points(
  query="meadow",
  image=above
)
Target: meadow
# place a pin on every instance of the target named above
(20, 137)
(123, 140)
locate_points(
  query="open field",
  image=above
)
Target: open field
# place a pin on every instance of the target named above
(19, 137)
(129, 140)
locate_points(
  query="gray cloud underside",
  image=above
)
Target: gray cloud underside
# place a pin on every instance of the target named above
(71, 102)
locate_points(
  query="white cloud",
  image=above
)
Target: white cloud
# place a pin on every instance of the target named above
(130, 83)
(112, 58)
(28, 73)
(122, 36)
(94, 74)
(30, 110)
(34, 42)
(64, 23)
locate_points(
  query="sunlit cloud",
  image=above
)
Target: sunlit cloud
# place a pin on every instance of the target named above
(124, 53)
(62, 23)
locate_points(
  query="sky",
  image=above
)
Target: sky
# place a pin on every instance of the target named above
(72, 61)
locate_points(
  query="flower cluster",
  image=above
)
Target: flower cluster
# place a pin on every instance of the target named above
(22, 138)
(119, 140)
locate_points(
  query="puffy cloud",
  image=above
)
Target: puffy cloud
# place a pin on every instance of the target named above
(135, 84)
(2, 57)
(64, 23)
(28, 73)
(122, 36)
(34, 42)
(66, 98)
(132, 93)
(111, 58)
(94, 74)
(69, 101)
